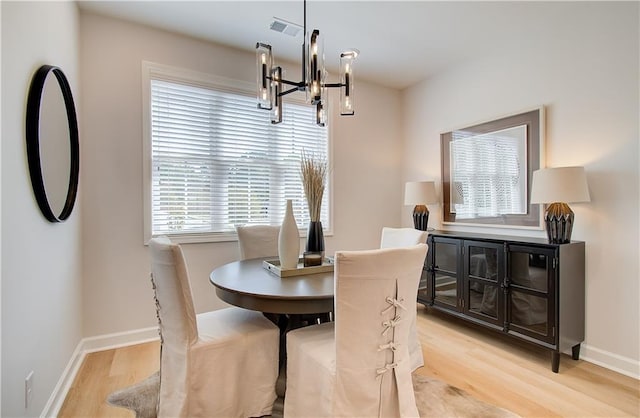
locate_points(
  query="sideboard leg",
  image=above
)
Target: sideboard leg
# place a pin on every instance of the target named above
(575, 352)
(555, 361)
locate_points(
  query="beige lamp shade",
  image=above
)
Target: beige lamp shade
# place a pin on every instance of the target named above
(561, 184)
(557, 186)
(420, 193)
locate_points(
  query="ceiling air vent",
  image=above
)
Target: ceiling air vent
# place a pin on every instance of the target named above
(282, 26)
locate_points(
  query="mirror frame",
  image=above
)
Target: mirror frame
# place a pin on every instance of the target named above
(33, 142)
(534, 121)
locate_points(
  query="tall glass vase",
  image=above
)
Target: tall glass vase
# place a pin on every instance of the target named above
(315, 238)
(289, 240)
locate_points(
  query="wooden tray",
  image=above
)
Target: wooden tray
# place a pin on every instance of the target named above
(274, 267)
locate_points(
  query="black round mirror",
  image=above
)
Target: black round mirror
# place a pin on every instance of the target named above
(52, 131)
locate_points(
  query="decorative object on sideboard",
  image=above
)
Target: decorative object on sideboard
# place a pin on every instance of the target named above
(420, 194)
(53, 149)
(492, 163)
(270, 81)
(559, 186)
(289, 239)
(313, 173)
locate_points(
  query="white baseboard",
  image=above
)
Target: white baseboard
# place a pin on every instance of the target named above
(56, 399)
(119, 339)
(623, 365)
(90, 345)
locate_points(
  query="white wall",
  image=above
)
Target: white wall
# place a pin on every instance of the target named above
(41, 261)
(583, 67)
(117, 292)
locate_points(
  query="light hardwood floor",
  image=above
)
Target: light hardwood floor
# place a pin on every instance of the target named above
(516, 376)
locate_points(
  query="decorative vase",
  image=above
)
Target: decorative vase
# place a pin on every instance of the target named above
(315, 238)
(289, 240)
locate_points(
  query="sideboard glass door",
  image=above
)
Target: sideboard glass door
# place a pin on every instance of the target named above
(483, 275)
(531, 301)
(445, 270)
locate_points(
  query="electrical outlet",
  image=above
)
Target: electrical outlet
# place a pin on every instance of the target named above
(28, 389)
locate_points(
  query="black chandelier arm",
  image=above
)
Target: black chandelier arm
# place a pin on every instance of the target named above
(296, 84)
(284, 93)
(300, 85)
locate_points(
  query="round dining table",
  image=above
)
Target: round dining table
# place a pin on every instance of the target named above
(249, 285)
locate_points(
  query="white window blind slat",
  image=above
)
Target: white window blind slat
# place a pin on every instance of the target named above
(217, 161)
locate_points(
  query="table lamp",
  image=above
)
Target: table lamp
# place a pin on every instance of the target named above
(557, 186)
(420, 193)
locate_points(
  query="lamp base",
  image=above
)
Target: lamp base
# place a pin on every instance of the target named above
(558, 220)
(420, 217)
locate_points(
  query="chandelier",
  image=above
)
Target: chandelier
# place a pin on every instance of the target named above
(314, 83)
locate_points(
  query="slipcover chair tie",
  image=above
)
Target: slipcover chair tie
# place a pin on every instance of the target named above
(395, 303)
(390, 324)
(405, 237)
(155, 297)
(389, 346)
(386, 368)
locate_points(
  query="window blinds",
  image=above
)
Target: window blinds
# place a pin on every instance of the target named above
(217, 161)
(487, 167)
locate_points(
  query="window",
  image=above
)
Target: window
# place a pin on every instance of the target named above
(216, 161)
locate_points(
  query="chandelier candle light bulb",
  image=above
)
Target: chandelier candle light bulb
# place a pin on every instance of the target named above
(346, 79)
(264, 62)
(276, 112)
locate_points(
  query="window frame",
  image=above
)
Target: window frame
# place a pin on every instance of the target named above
(168, 73)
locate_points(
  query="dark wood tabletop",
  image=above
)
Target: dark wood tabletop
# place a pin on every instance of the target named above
(249, 285)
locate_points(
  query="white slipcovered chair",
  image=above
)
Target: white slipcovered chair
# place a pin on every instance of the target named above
(359, 365)
(221, 363)
(257, 241)
(404, 237)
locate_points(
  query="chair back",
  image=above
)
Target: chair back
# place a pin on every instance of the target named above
(402, 237)
(375, 303)
(257, 241)
(176, 317)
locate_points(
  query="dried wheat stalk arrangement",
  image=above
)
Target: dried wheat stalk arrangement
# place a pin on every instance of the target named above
(314, 174)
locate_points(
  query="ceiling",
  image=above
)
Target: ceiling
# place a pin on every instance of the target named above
(401, 42)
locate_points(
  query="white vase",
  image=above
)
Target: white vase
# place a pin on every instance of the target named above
(289, 240)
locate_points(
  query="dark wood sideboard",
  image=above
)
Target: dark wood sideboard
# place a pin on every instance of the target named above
(522, 287)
